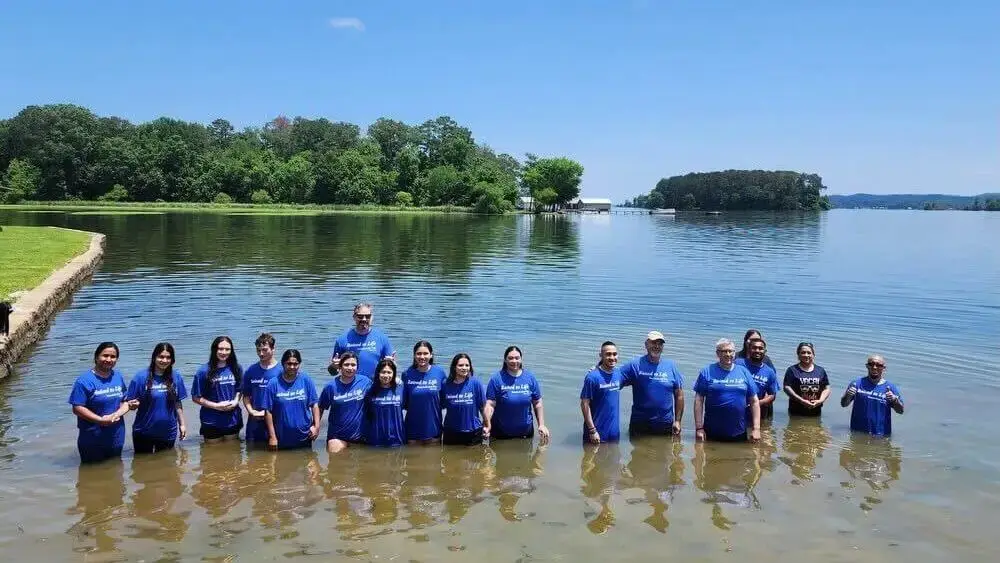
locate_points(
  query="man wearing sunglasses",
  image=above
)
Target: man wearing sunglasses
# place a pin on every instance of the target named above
(873, 397)
(369, 343)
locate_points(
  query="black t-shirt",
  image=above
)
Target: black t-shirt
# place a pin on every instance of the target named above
(806, 384)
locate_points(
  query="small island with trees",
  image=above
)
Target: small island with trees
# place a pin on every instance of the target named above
(66, 153)
(734, 190)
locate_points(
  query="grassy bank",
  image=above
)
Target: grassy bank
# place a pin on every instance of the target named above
(247, 208)
(29, 254)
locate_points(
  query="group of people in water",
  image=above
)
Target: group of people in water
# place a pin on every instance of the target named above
(367, 397)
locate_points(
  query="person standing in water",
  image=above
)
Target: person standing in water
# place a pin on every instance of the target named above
(368, 342)
(344, 397)
(384, 408)
(599, 398)
(159, 389)
(806, 383)
(874, 399)
(763, 375)
(99, 403)
(422, 384)
(464, 401)
(745, 351)
(291, 406)
(254, 387)
(726, 399)
(512, 395)
(216, 389)
(657, 391)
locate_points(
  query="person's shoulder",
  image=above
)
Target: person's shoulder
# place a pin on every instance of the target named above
(440, 371)
(86, 377)
(202, 371)
(741, 361)
(141, 375)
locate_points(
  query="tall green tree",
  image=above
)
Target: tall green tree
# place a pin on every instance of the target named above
(560, 175)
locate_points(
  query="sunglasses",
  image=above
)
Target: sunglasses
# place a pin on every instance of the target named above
(363, 316)
(875, 365)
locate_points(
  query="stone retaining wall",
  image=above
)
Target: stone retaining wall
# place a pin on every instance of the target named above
(35, 309)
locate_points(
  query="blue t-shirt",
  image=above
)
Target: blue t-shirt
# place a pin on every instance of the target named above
(463, 403)
(653, 387)
(221, 390)
(727, 397)
(346, 402)
(254, 385)
(870, 412)
(514, 398)
(384, 417)
(603, 390)
(290, 405)
(102, 396)
(156, 416)
(422, 402)
(767, 383)
(370, 348)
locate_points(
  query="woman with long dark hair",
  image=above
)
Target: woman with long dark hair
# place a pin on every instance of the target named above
(464, 401)
(806, 383)
(384, 408)
(99, 403)
(159, 388)
(422, 383)
(291, 406)
(512, 396)
(216, 388)
(345, 399)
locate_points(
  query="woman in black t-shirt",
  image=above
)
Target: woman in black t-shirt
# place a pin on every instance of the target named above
(806, 384)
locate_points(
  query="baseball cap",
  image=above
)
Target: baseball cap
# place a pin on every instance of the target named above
(655, 335)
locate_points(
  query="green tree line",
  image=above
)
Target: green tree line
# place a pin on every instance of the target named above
(66, 152)
(737, 190)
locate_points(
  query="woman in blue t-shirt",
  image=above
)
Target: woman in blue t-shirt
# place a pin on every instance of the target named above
(159, 389)
(291, 406)
(422, 383)
(512, 395)
(464, 401)
(344, 397)
(99, 403)
(806, 383)
(384, 408)
(216, 388)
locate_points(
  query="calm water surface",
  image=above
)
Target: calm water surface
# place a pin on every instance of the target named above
(919, 287)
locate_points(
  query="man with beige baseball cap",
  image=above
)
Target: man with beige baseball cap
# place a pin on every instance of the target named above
(657, 390)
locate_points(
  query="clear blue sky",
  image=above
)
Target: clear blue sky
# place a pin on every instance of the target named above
(877, 96)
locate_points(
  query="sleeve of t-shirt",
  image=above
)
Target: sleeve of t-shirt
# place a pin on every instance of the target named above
(133, 388)
(267, 400)
(536, 390)
(895, 391)
(245, 385)
(479, 395)
(386, 347)
(824, 381)
(326, 398)
(628, 374)
(789, 380)
(678, 377)
(182, 392)
(196, 383)
(338, 348)
(492, 390)
(701, 384)
(752, 389)
(767, 360)
(78, 395)
(587, 392)
(311, 397)
(772, 384)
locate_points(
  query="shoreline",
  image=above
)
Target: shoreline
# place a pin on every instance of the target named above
(35, 309)
(233, 208)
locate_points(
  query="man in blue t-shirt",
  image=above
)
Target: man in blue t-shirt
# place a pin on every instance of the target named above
(873, 397)
(657, 391)
(599, 398)
(763, 375)
(725, 401)
(369, 343)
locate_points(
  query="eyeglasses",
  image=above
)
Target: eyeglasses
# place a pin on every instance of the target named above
(362, 316)
(875, 365)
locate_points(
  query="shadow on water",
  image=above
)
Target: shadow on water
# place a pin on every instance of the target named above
(875, 461)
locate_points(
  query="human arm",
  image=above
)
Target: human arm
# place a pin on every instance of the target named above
(894, 399)
(825, 393)
(543, 431)
(678, 410)
(272, 436)
(181, 425)
(699, 417)
(788, 385)
(849, 394)
(314, 428)
(755, 419)
(590, 431)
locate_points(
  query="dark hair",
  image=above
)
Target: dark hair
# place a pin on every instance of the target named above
(348, 356)
(289, 354)
(608, 343)
(503, 365)
(746, 340)
(168, 374)
(378, 369)
(454, 363)
(420, 344)
(805, 345)
(232, 363)
(102, 346)
(264, 338)
(752, 340)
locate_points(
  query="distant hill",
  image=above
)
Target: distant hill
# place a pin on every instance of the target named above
(905, 201)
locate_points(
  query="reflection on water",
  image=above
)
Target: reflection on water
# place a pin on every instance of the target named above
(156, 497)
(657, 468)
(100, 501)
(519, 465)
(600, 471)
(728, 474)
(875, 461)
(804, 439)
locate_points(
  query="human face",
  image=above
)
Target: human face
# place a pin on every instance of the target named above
(876, 366)
(805, 354)
(422, 357)
(349, 368)
(750, 337)
(106, 359)
(265, 353)
(726, 353)
(363, 319)
(654, 348)
(609, 356)
(462, 368)
(164, 360)
(386, 376)
(291, 366)
(223, 352)
(513, 361)
(757, 351)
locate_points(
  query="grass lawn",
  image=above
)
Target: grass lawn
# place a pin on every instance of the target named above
(29, 254)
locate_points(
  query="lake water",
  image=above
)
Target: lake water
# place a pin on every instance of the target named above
(919, 287)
